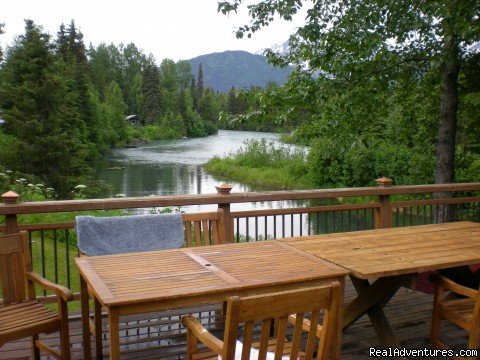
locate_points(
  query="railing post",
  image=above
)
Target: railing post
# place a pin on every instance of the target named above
(225, 190)
(11, 197)
(384, 215)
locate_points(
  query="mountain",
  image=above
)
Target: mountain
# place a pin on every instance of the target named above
(280, 48)
(240, 69)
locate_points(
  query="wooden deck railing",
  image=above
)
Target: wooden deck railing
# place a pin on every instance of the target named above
(53, 245)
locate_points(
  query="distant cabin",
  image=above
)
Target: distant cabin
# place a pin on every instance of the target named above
(133, 120)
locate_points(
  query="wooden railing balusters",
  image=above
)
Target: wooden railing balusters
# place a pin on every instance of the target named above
(42, 256)
(55, 254)
(292, 221)
(265, 226)
(67, 257)
(274, 226)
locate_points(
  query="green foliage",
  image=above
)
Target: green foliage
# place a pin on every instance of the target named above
(115, 109)
(27, 187)
(37, 107)
(150, 109)
(1, 32)
(372, 81)
(264, 164)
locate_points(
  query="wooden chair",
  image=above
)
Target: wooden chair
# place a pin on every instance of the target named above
(463, 311)
(206, 228)
(21, 314)
(278, 308)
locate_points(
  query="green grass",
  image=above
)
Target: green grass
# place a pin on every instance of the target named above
(277, 178)
(264, 164)
(47, 249)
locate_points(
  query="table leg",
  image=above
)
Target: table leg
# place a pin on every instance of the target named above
(98, 328)
(371, 299)
(87, 350)
(114, 329)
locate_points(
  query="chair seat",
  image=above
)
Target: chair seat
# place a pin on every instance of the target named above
(272, 343)
(26, 319)
(461, 309)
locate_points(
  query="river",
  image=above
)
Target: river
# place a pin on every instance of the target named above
(175, 167)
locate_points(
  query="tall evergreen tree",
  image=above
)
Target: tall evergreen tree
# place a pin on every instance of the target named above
(1, 32)
(150, 107)
(35, 100)
(199, 88)
(71, 49)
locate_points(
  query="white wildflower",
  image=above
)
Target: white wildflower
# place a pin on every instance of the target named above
(81, 186)
(30, 185)
(121, 195)
(8, 171)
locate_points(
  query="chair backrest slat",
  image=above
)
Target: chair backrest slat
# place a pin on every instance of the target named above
(281, 329)
(206, 232)
(264, 337)
(247, 340)
(312, 335)
(188, 235)
(297, 335)
(14, 260)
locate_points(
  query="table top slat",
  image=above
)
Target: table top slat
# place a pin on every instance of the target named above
(396, 251)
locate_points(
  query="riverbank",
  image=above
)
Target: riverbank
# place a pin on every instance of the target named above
(263, 164)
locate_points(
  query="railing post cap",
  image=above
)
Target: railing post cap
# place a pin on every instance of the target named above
(10, 197)
(224, 189)
(384, 181)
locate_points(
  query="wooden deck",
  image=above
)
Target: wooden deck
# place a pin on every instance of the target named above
(409, 313)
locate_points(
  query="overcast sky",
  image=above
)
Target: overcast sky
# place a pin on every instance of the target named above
(175, 29)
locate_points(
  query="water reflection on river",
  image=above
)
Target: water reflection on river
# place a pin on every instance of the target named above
(174, 167)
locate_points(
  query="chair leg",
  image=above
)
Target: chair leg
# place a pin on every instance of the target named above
(474, 339)
(435, 333)
(64, 331)
(35, 349)
(191, 345)
(65, 342)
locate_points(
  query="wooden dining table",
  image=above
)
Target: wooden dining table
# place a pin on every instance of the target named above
(158, 280)
(390, 257)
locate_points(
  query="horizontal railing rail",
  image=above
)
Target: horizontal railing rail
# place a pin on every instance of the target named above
(230, 198)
